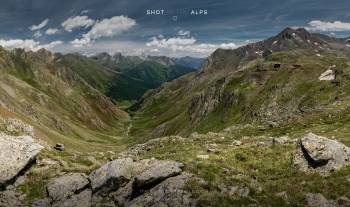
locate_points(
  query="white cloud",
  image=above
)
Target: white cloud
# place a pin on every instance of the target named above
(183, 33)
(51, 31)
(39, 26)
(81, 42)
(317, 25)
(77, 22)
(37, 34)
(19, 43)
(28, 44)
(85, 11)
(171, 42)
(183, 45)
(106, 28)
(50, 45)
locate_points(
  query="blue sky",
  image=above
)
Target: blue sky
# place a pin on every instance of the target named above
(92, 26)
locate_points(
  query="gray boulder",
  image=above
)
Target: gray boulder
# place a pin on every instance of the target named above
(170, 192)
(11, 198)
(343, 202)
(16, 153)
(112, 175)
(82, 199)
(59, 147)
(41, 203)
(321, 155)
(65, 186)
(157, 172)
(122, 182)
(317, 200)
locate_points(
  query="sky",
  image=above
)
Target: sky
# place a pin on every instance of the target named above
(161, 27)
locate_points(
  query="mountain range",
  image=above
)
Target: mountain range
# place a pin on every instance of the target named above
(266, 124)
(273, 81)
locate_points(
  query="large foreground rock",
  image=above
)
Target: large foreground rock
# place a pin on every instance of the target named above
(66, 186)
(321, 155)
(11, 198)
(157, 171)
(112, 175)
(317, 200)
(16, 153)
(171, 192)
(122, 182)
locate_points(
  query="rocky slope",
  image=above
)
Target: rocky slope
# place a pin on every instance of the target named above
(58, 100)
(275, 81)
(244, 165)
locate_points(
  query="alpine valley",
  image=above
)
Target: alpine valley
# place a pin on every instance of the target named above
(266, 124)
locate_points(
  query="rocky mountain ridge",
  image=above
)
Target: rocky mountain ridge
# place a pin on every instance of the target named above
(271, 81)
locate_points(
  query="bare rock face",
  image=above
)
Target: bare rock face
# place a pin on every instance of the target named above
(321, 155)
(207, 101)
(317, 200)
(16, 153)
(112, 175)
(82, 199)
(168, 193)
(158, 171)
(66, 185)
(328, 75)
(11, 198)
(122, 182)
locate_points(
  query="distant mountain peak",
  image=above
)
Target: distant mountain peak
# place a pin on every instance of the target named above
(287, 39)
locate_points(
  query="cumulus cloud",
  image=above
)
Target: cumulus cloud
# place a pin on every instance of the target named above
(51, 31)
(50, 45)
(37, 34)
(28, 44)
(106, 28)
(39, 26)
(77, 22)
(183, 45)
(183, 33)
(171, 42)
(337, 26)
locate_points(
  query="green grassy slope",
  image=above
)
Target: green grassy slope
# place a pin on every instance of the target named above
(254, 92)
(58, 101)
(135, 81)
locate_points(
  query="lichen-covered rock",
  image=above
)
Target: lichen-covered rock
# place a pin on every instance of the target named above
(122, 182)
(11, 198)
(317, 200)
(170, 192)
(16, 153)
(82, 199)
(112, 175)
(158, 171)
(66, 186)
(321, 155)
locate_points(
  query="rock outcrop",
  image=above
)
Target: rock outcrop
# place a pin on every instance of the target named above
(321, 155)
(208, 100)
(16, 154)
(66, 186)
(111, 176)
(9, 198)
(122, 182)
(318, 200)
(168, 193)
(328, 75)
